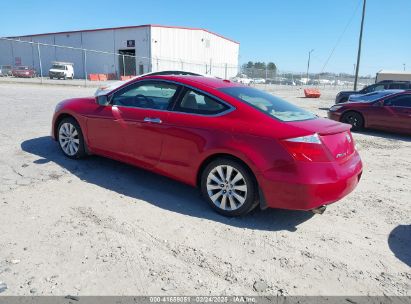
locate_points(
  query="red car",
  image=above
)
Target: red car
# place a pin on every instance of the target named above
(241, 146)
(24, 71)
(388, 110)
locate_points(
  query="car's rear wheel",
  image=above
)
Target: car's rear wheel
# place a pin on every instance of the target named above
(70, 138)
(229, 187)
(354, 119)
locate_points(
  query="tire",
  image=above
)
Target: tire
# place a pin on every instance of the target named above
(354, 119)
(70, 138)
(232, 196)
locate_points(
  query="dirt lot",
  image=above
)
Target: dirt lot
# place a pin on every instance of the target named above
(97, 226)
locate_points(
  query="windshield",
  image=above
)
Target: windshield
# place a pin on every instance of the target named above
(58, 67)
(22, 68)
(371, 96)
(267, 103)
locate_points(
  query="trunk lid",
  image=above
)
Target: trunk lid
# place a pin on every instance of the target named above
(335, 136)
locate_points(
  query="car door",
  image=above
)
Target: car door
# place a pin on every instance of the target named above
(398, 113)
(194, 125)
(143, 108)
(105, 131)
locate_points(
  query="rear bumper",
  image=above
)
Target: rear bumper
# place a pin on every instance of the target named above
(311, 185)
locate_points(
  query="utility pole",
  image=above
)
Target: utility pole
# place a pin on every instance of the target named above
(404, 66)
(308, 65)
(357, 68)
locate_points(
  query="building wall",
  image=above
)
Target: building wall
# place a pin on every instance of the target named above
(156, 48)
(193, 50)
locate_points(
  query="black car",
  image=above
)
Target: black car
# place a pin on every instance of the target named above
(382, 85)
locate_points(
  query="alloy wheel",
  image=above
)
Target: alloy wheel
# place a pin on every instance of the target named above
(69, 138)
(226, 187)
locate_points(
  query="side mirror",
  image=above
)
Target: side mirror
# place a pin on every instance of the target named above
(379, 103)
(102, 100)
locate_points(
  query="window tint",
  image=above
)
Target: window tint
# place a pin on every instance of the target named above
(399, 86)
(399, 101)
(194, 102)
(269, 104)
(150, 95)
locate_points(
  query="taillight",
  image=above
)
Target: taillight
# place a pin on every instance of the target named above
(307, 148)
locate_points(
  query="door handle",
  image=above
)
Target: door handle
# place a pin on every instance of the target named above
(153, 120)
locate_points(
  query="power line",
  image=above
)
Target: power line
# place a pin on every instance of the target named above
(341, 36)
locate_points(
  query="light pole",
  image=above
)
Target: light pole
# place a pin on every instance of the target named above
(308, 65)
(404, 66)
(357, 68)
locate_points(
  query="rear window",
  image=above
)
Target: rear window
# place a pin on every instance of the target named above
(269, 104)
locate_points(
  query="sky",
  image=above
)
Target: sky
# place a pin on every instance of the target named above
(268, 30)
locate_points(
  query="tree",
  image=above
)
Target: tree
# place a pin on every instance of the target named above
(250, 64)
(271, 66)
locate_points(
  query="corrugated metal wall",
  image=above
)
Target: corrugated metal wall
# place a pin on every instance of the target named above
(193, 50)
(169, 49)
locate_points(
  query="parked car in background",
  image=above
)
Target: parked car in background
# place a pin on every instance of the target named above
(24, 72)
(259, 80)
(241, 146)
(388, 110)
(6, 70)
(383, 85)
(61, 70)
(243, 79)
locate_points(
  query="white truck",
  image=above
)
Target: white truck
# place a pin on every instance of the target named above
(61, 70)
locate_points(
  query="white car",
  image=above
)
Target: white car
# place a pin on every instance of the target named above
(108, 88)
(61, 70)
(259, 80)
(242, 78)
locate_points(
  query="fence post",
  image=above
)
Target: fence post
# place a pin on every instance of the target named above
(210, 65)
(41, 67)
(85, 68)
(124, 67)
(225, 71)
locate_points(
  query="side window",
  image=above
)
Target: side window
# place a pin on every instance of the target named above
(148, 95)
(399, 101)
(396, 86)
(378, 88)
(197, 103)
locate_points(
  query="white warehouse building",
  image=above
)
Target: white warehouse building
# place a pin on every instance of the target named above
(131, 50)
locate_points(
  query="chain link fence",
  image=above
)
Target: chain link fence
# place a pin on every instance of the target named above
(39, 59)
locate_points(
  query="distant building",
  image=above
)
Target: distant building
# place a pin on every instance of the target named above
(155, 48)
(393, 75)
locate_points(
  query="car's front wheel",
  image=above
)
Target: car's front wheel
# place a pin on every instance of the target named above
(229, 187)
(354, 119)
(70, 138)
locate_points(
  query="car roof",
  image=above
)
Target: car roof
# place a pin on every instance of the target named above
(211, 82)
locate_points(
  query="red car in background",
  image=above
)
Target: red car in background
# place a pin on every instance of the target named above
(388, 110)
(241, 146)
(24, 71)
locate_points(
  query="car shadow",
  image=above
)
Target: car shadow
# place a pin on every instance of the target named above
(399, 242)
(156, 189)
(387, 135)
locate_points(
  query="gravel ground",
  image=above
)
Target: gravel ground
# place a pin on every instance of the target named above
(99, 227)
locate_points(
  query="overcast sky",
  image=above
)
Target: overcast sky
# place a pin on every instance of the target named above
(278, 31)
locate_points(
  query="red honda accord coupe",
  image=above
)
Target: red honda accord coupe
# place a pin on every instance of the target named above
(241, 146)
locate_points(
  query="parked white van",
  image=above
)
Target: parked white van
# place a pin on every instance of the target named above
(61, 70)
